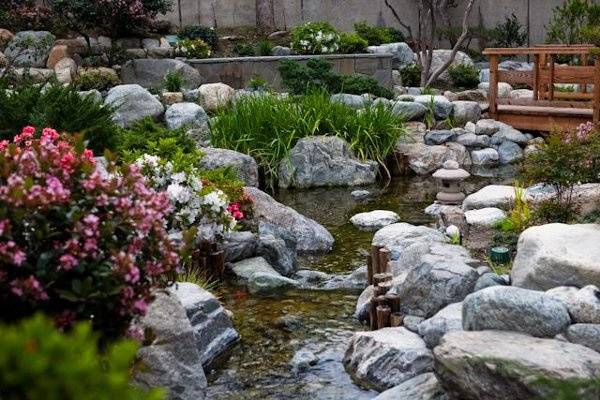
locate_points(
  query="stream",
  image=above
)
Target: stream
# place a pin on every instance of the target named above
(312, 327)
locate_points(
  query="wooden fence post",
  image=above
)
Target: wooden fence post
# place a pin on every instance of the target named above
(493, 93)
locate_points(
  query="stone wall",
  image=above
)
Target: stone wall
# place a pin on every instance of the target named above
(236, 72)
(343, 13)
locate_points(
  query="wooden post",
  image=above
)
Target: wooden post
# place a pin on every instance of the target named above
(217, 261)
(375, 258)
(585, 61)
(373, 314)
(383, 317)
(370, 269)
(380, 278)
(384, 259)
(393, 301)
(536, 77)
(493, 95)
(596, 104)
(396, 319)
(552, 77)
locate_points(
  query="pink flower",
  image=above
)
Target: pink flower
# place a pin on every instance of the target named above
(68, 262)
(18, 257)
(141, 306)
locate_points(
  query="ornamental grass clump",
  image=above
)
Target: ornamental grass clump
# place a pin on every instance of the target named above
(76, 243)
(267, 127)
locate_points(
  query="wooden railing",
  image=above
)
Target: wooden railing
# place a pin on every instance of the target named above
(548, 107)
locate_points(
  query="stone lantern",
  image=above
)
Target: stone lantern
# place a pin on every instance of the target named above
(450, 179)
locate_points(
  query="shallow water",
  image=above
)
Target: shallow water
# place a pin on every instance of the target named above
(317, 323)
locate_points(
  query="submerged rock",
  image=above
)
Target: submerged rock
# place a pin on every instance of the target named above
(310, 236)
(261, 278)
(502, 365)
(324, 161)
(374, 220)
(386, 358)
(421, 387)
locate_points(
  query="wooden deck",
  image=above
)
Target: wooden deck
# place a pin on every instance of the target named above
(548, 109)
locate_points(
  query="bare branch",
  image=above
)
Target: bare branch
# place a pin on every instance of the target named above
(400, 21)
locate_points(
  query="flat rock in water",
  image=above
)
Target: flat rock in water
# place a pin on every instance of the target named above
(386, 358)
(514, 309)
(421, 387)
(500, 365)
(555, 255)
(374, 220)
(261, 278)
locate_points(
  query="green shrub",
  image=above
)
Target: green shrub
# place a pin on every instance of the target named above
(193, 48)
(267, 127)
(396, 35)
(509, 34)
(207, 34)
(60, 107)
(39, 362)
(465, 76)
(315, 38)
(318, 74)
(571, 19)
(411, 75)
(374, 35)
(244, 49)
(351, 43)
(264, 48)
(96, 80)
(257, 83)
(173, 81)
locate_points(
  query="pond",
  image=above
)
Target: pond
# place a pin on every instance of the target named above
(314, 326)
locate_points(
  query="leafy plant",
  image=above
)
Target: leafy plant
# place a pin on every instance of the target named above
(264, 48)
(73, 243)
(205, 33)
(519, 216)
(351, 43)
(244, 49)
(267, 127)
(40, 362)
(509, 34)
(374, 35)
(96, 79)
(570, 20)
(59, 106)
(257, 83)
(174, 81)
(193, 48)
(410, 75)
(464, 75)
(360, 84)
(315, 38)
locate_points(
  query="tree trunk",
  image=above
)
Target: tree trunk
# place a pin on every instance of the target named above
(265, 16)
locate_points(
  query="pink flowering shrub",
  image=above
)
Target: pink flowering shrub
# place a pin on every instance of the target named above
(76, 244)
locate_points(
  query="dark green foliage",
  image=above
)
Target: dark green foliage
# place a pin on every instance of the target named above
(572, 389)
(509, 34)
(60, 107)
(351, 43)
(411, 75)
(374, 35)
(174, 81)
(207, 34)
(264, 48)
(318, 74)
(39, 362)
(244, 50)
(267, 127)
(571, 19)
(97, 80)
(464, 76)
(24, 15)
(396, 35)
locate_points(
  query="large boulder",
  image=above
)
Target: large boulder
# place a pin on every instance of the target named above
(435, 137)
(403, 54)
(509, 152)
(495, 196)
(441, 56)
(421, 387)
(447, 319)
(504, 89)
(324, 161)
(485, 157)
(131, 104)
(212, 325)
(466, 111)
(150, 73)
(508, 365)
(514, 309)
(374, 220)
(557, 255)
(485, 217)
(423, 159)
(583, 304)
(65, 70)
(171, 360)
(386, 358)
(278, 246)
(244, 166)
(261, 278)
(442, 108)
(188, 115)
(215, 95)
(587, 335)
(29, 48)
(351, 100)
(310, 236)
(409, 110)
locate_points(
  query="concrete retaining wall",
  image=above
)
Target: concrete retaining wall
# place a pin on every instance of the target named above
(236, 72)
(534, 14)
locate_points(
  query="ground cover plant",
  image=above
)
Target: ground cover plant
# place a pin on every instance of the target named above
(267, 127)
